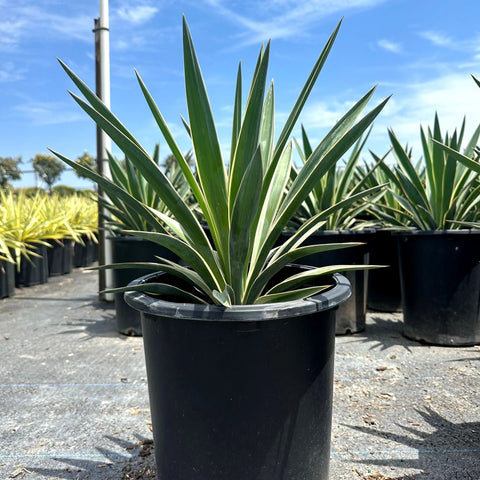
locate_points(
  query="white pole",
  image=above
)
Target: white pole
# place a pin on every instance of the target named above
(104, 143)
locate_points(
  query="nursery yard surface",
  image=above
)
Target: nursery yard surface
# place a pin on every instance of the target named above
(74, 401)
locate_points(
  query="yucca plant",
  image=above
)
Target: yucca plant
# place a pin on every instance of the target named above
(8, 243)
(469, 161)
(438, 194)
(120, 218)
(247, 205)
(81, 215)
(57, 212)
(7, 258)
(374, 175)
(29, 223)
(340, 183)
(126, 176)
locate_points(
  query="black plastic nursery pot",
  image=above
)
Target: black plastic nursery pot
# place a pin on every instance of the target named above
(243, 393)
(33, 271)
(440, 279)
(384, 292)
(7, 279)
(60, 257)
(85, 253)
(132, 249)
(350, 315)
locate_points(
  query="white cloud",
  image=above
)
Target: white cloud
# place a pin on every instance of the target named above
(48, 113)
(79, 27)
(453, 96)
(10, 73)
(137, 14)
(323, 114)
(31, 21)
(390, 46)
(22, 21)
(437, 38)
(10, 31)
(288, 18)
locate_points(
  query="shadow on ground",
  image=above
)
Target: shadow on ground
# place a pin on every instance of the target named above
(104, 326)
(439, 447)
(384, 333)
(103, 323)
(137, 463)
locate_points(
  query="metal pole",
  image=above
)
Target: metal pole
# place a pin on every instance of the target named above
(104, 144)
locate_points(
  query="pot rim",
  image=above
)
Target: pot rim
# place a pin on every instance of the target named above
(125, 238)
(329, 299)
(463, 231)
(343, 232)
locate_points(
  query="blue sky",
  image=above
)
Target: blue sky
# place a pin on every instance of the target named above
(420, 51)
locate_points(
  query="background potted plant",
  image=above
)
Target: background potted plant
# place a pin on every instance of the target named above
(30, 230)
(439, 260)
(37, 233)
(83, 217)
(346, 224)
(129, 248)
(7, 259)
(383, 290)
(238, 343)
(60, 233)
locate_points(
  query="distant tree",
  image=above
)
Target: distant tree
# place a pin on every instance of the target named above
(87, 192)
(9, 170)
(30, 191)
(86, 160)
(48, 168)
(170, 163)
(64, 190)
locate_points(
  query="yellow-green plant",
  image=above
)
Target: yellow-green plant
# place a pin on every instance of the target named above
(26, 221)
(32, 221)
(82, 215)
(8, 244)
(56, 211)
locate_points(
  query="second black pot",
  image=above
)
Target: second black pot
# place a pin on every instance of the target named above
(7, 279)
(60, 257)
(350, 315)
(132, 249)
(85, 252)
(33, 271)
(440, 277)
(384, 290)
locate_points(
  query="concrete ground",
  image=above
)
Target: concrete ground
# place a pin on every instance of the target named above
(74, 402)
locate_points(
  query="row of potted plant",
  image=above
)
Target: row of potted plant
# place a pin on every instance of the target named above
(125, 247)
(407, 201)
(238, 334)
(40, 234)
